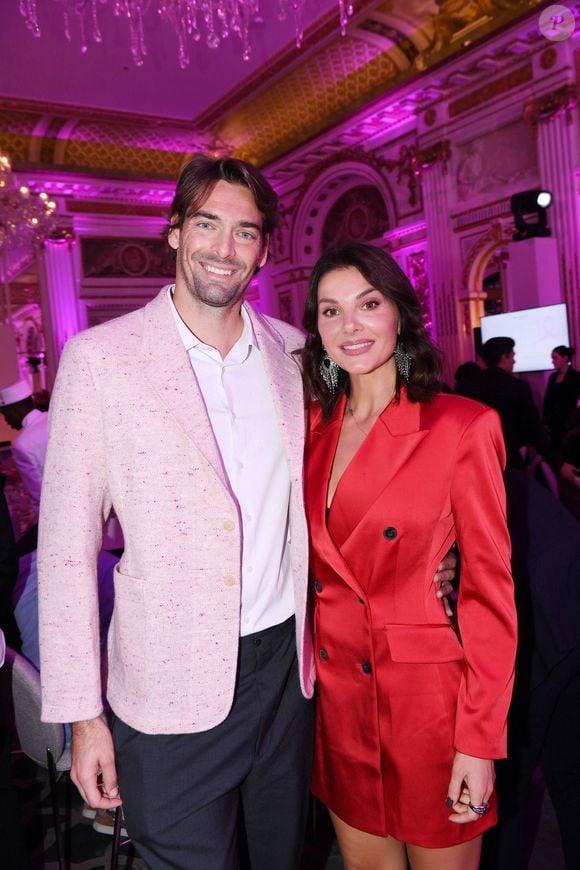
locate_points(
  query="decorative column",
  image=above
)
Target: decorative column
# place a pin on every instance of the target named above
(552, 114)
(431, 164)
(58, 299)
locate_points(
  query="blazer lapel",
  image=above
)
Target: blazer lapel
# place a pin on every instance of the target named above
(283, 374)
(387, 449)
(322, 442)
(168, 369)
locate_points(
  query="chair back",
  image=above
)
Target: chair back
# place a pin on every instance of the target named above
(34, 736)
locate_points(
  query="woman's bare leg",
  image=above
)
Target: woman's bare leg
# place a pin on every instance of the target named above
(465, 856)
(362, 851)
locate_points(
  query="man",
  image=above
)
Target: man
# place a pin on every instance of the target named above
(188, 417)
(28, 453)
(511, 398)
(29, 447)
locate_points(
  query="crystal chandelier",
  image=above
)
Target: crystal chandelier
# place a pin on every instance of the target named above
(26, 217)
(215, 19)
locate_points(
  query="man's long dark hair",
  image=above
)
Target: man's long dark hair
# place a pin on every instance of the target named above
(382, 273)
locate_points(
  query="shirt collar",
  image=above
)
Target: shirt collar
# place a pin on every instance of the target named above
(241, 348)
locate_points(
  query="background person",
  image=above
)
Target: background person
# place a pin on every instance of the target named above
(512, 399)
(562, 394)
(395, 473)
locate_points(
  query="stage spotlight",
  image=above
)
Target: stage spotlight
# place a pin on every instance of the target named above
(529, 211)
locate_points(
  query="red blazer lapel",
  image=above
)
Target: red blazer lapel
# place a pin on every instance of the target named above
(321, 447)
(385, 451)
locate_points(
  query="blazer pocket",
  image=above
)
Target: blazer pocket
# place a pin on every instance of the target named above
(423, 643)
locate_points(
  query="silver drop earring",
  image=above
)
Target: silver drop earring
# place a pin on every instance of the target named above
(403, 361)
(329, 371)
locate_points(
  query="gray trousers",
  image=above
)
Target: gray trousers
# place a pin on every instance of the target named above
(198, 801)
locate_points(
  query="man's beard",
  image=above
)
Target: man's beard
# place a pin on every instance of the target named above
(212, 292)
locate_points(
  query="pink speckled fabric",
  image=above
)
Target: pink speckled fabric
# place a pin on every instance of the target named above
(128, 428)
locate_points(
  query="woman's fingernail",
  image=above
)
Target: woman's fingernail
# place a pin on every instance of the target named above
(449, 802)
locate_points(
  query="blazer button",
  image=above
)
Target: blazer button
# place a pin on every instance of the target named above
(390, 533)
(323, 655)
(317, 586)
(366, 667)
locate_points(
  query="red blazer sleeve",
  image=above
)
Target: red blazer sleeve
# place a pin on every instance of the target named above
(486, 609)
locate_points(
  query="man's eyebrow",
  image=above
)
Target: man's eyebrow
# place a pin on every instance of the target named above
(214, 217)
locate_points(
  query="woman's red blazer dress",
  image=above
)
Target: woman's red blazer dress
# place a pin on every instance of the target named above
(398, 693)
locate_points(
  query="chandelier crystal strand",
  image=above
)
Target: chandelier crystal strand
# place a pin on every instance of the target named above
(345, 10)
(217, 18)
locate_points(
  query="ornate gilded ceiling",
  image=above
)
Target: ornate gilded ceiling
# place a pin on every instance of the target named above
(387, 44)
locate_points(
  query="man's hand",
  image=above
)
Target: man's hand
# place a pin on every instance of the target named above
(93, 768)
(443, 578)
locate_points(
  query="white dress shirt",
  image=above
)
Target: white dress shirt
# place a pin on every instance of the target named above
(239, 404)
(29, 453)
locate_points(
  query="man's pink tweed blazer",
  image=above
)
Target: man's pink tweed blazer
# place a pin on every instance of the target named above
(128, 428)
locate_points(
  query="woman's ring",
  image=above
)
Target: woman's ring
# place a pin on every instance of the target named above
(479, 809)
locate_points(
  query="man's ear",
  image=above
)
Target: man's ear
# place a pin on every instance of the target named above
(173, 236)
(264, 255)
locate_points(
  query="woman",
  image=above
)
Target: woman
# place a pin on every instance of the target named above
(409, 718)
(562, 394)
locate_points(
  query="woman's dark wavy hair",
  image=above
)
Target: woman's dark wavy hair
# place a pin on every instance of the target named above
(382, 273)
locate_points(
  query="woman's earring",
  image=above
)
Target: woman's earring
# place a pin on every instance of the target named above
(403, 361)
(329, 371)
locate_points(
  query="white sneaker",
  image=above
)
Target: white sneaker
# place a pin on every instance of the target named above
(104, 823)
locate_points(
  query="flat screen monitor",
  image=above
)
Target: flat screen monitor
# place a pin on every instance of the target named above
(536, 332)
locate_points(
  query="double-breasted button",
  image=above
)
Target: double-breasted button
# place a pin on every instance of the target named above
(390, 533)
(366, 667)
(317, 586)
(323, 655)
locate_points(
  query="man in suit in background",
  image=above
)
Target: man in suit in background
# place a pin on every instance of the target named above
(188, 417)
(511, 398)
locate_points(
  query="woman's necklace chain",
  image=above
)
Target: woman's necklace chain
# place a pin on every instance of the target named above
(365, 432)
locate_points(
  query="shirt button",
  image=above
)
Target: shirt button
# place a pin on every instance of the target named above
(318, 586)
(366, 667)
(390, 533)
(229, 580)
(229, 526)
(323, 655)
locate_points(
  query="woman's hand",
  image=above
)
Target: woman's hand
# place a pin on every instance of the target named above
(471, 786)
